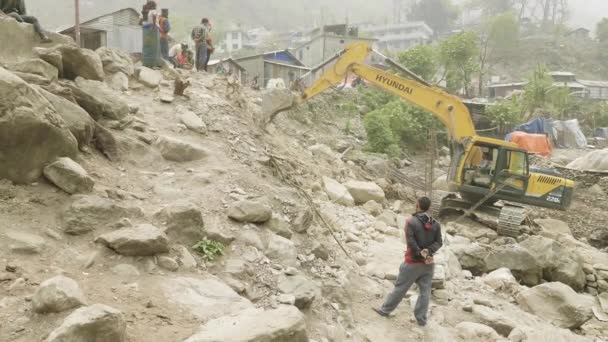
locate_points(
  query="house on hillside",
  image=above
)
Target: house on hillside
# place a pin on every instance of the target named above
(119, 30)
(276, 64)
(399, 37)
(561, 79)
(580, 33)
(227, 66)
(232, 40)
(324, 46)
(596, 90)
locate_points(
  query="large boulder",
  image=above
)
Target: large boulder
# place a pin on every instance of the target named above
(179, 151)
(22, 39)
(558, 262)
(192, 121)
(502, 280)
(77, 120)
(83, 63)
(69, 176)
(337, 192)
(497, 321)
(114, 60)
(117, 81)
(149, 77)
(475, 332)
(284, 324)
(21, 242)
(204, 298)
(302, 288)
(519, 260)
(249, 211)
(363, 192)
(32, 134)
(280, 227)
(142, 240)
(99, 100)
(184, 222)
(36, 66)
(57, 294)
(471, 256)
(556, 303)
(95, 323)
(51, 56)
(87, 213)
(282, 250)
(552, 228)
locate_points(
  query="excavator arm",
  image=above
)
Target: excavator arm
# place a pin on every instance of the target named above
(447, 108)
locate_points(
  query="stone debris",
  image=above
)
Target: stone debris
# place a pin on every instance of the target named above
(176, 150)
(57, 294)
(192, 121)
(69, 176)
(142, 240)
(363, 192)
(148, 77)
(305, 290)
(475, 332)
(337, 192)
(280, 227)
(99, 323)
(249, 212)
(184, 222)
(81, 63)
(88, 212)
(99, 100)
(24, 243)
(282, 250)
(37, 67)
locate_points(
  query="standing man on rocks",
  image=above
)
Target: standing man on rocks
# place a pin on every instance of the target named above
(423, 235)
(200, 34)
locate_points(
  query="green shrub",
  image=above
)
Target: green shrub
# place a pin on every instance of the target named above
(209, 249)
(505, 114)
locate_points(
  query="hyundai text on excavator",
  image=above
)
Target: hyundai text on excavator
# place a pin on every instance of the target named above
(483, 170)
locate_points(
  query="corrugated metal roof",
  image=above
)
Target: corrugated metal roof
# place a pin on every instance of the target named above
(595, 84)
(89, 20)
(504, 85)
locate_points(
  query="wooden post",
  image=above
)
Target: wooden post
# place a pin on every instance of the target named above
(77, 22)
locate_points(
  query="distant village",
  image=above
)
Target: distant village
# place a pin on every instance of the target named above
(261, 55)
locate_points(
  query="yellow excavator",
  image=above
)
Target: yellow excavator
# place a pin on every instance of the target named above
(483, 170)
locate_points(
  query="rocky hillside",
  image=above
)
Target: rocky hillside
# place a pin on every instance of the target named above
(131, 214)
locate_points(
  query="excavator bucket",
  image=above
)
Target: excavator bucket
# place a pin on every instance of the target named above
(275, 101)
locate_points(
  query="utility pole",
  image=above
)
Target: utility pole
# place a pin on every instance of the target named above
(77, 22)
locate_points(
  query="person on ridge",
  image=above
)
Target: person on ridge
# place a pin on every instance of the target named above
(423, 235)
(16, 9)
(199, 35)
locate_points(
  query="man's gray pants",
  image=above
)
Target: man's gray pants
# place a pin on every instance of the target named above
(409, 274)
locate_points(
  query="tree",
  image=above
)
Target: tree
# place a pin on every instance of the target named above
(438, 14)
(601, 31)
(421, 60)
(458, 55)
(537, 91)
(492, 7)
(497, 42)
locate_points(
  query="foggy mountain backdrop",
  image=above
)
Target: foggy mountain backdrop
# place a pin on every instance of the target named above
(273, 14)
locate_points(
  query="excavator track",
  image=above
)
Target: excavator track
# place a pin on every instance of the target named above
(510, 219)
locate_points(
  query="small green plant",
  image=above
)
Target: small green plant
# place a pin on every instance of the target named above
(348, 129)
(209, 249)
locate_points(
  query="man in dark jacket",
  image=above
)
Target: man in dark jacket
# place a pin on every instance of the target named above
(16, 9)
(423, 236)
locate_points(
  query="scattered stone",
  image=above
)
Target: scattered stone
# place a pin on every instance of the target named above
(57, 294)
(274, 101)
(302, 288)
(320, 251)
(117, 81)
(86, 213)
(216, 234)
(286, 299)
(303, 221)
(116, 61)
(280, 227)
(142, 240)
(373, 208)
(493, 319)
(51, 56)
(337, 192)
(519, 260)
(363, 192)
(282, 250)
(280, 325)
(556, 303)
(251, 238)
(149, 77)
(389, 218)
(552, 228)
(168, 263)
(250, 212)
(184, 222)
(186, 259)
(81, 63)
(98, 323)
(24, 243)
(204, 298)
(502, 280)
(126, 270)
(69, 176)
(237, 268)
(36, 67)
(167, 99)
(179, 151)
(192, 121)
(475, 332)
(33, 134)
(99, 100)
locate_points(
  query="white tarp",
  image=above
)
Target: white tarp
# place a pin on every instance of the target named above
(592, 161)
(568, 134)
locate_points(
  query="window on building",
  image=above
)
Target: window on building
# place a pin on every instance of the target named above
(235, 35)
(235, 46)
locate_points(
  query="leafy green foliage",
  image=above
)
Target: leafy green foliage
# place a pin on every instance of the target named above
(459, 56)
(602, 31)
(209, 249)
(536, 92)
(505, 114)
(374, 98)
(379, 134)
(422, 60)
(440, 15)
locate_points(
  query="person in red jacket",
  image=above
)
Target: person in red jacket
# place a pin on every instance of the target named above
(423, 235)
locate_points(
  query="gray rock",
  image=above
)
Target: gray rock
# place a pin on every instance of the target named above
(204, 298)
(142, 240)
(475, 332)
(168, 263)
(519, 260)
(69, 176)
(305, 290)
(99, 100)
(115, 61)
(192, 121)
(184, 222)
(556, 303)
(251, 238)
(471, 256)
(24, 243)
(553, 228)
(87, 213)
(117, 81)
(77, 120)
(337, 192)
(274, 101)
(57, 294)
(36, 67)
(284, 324)
(186, 259)
(32, 134)
(320, 251)
(249, 211)
(282, 250)
(51, 56)
(303, 221)
(237, 268)
(149, 77)
(493, 319)
(373, 208)
(389, 218)
(81, 63)
(179, 151)
(95, 323)
(501, 280)
(126, 270)
(280, 227)
(363, 192)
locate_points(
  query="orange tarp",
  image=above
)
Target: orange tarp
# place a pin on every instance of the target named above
(533, 143)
